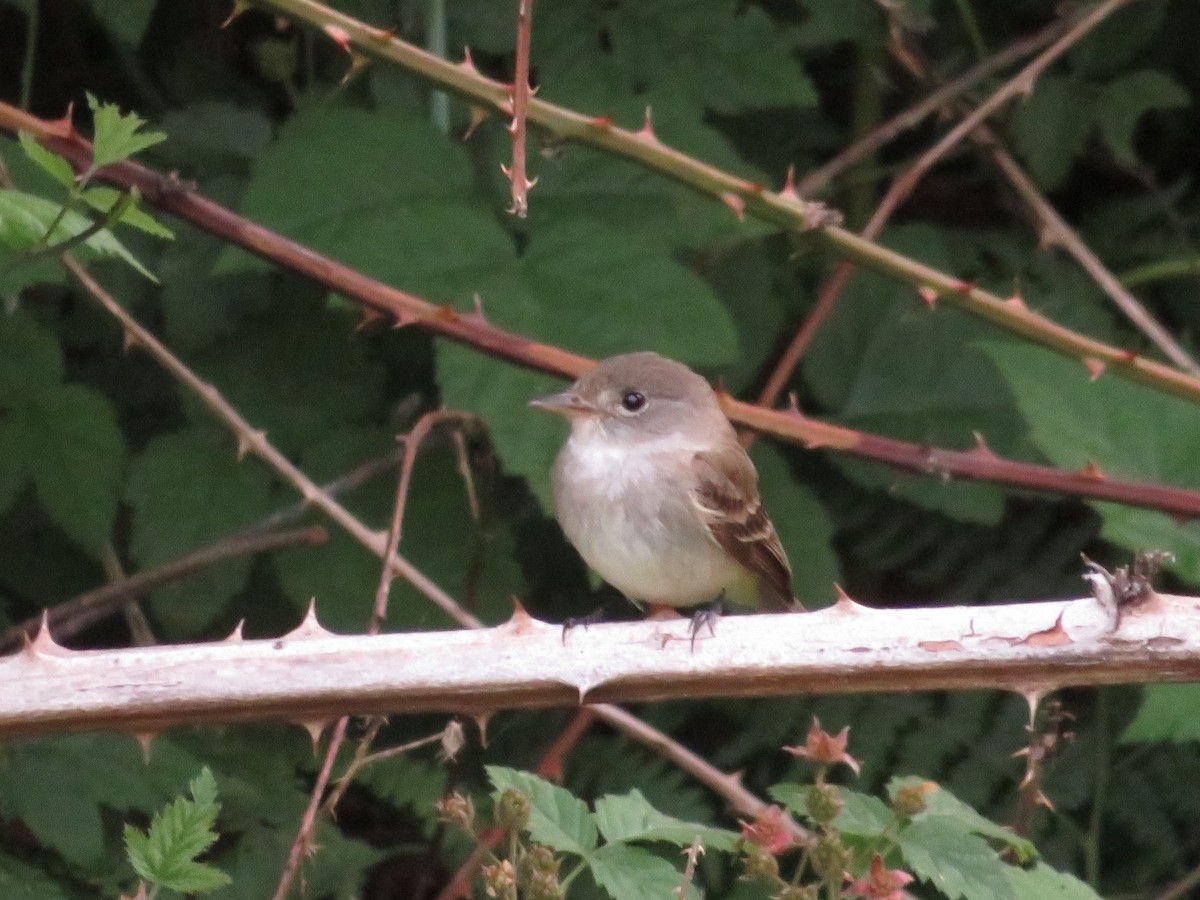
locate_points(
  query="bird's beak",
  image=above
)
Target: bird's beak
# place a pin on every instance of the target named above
(568, 403)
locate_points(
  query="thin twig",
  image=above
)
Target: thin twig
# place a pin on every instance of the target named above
(816, 180)
(903, 186)
(520, 110)
(72, 616)
(412, 444)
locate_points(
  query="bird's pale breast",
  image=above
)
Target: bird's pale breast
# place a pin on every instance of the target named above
(637, 527)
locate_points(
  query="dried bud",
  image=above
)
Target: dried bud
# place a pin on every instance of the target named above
(910, 799)
(512, 810)
(830, 858)
(770, 831)
(825, 749)
(824, 802)
(540, 858)
(499, 879)
(457, 810)
(544, 886)
(758, 865)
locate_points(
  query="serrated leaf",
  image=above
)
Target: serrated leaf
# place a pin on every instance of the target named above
(186, 489)
(956, 862)
(631, 818)
(117, 136)
(166, 853)
(863, 815)
(409, 783)
(940, 803)
(1044, 883)
(25, 220)
(48, 161)
(1117, 425)
(557, 818)
(19, 880)
(634, 873)
(103, 199)
(1167, 713)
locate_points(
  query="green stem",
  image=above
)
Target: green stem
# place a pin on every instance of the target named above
(971, 26)
(1099, 791)
(435, 43)
(31, 34)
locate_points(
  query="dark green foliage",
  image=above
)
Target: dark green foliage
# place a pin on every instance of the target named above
(106, 461)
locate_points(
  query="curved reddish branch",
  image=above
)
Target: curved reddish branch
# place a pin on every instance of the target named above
(473, 329)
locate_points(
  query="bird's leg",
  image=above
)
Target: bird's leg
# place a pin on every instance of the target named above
(706, 617)
(599, 614)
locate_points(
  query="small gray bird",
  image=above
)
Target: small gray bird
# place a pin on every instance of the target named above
(656, 493)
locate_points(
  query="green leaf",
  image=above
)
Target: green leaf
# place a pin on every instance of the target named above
(75, 454)
(634, 873)
(186, 489)
(863, 815)
(49, 162)
(410, 784)
(1044, 883)
(124, 19)
(1052, 125)
(1167, 713)
(1117, 425)
(792, 795)
(103, 199)
(1123, 103)
(62, 438)
(557, 819)
(166, 854)
(941, 804)
(25, 220)
(632, 818)
(956, 862)
(21, 881)
(116, 136)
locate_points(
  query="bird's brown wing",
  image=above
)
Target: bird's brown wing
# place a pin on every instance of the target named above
(726, 494)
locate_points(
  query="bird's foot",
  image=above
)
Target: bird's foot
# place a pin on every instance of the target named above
(597, 615)
(706, 617)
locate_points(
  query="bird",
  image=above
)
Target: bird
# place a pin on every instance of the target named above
(657, 495)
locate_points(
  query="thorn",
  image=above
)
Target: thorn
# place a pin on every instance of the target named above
(64, 127)
(245, 443)
(981, 449)
(847, 604)
(144, 739)
(793, 407)
(736, 203)
(1033, 699)
(314, 729)
(755, 187)
(368, 316)
(1054, 636)
(928, 295)
(454, 738)
(239, 7)
(235, 636)
(479, 115)
(309, 627)
(403, 319)
(448, 313)
(964, 287)
(384, 35)
(1092, 471)
(129, 340)
(339, 36)
(1094, 366)
(1128, 357)
(646, 132)
(481, 722)
(478, 303)
(789, 185)
(358, 62)
(1016, 302)
(1043, 800)
(43, 643)
(467, 62)
(520, 622)
(602, 122)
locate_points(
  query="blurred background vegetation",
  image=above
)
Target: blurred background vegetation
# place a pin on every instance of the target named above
(106, 466)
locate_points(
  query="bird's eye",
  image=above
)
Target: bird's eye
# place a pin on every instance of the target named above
(632, 401)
